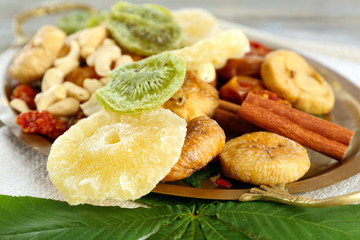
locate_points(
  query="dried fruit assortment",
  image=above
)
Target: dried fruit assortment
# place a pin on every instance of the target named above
(132, 98)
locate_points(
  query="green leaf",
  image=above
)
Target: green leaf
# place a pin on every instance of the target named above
(174, 218)
(275, 221)
(195, 179)
(319, 116)
(32, 218)
(158, 200)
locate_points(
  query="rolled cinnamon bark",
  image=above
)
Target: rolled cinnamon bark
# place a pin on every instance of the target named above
(310, 131)
(232, 123)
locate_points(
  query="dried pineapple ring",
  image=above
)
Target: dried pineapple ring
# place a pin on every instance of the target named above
(216, 49)
(38, 55)
(264, 158)
(288, 75)
(115, 156)
(197, 24)
(203, 142)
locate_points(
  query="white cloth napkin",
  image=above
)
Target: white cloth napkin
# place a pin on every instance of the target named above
(23, 170)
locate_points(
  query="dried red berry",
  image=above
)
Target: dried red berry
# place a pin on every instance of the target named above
(258, 49)
(41, 122)
(26, 93)
(36, 122)
(223, 183)
(58, 130)
(272, 96)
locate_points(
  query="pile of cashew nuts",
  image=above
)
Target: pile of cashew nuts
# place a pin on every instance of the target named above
(64, 98)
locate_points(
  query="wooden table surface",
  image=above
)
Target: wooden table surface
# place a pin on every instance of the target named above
(319, 20)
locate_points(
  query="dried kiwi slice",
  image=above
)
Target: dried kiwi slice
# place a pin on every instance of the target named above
(78, 20)
(144, 29)
(143, 85)
(73, 22)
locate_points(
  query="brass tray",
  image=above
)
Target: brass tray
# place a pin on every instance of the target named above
(324, 171)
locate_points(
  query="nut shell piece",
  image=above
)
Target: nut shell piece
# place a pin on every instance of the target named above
(289, 75)
(38, 55)
(203, 142)
(194, 98)
(264, 158)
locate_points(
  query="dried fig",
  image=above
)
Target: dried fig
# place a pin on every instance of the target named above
(264, 158)
(194, 98)
(203, 142)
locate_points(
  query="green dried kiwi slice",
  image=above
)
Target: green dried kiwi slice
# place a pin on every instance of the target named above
(78, 20)
(73, 21)
(143, 85)
(144, 29)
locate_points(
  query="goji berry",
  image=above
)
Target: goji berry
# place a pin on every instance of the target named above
(25, 93)
(223, 183)
(41, 122)
(272, 96)
(58, 130)
(258, 49)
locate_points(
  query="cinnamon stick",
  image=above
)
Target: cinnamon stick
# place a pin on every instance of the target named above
(229, 106)
(232, 124)
(308, 130)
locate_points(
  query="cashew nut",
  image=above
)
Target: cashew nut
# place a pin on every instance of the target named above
(19, 105)
(103, 62)
(75, 91)
(103, 57)
(92, 84)
(105, 80)
(124, 59)
(90, 60)
(108, 42)
(90, 38)
(53, 94)
(63, 66)
(91, 106)
(69, 66)
(66, 107)
(52, 77)
(74, 53)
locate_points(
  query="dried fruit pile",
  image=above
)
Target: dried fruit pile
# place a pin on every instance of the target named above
(139, 85)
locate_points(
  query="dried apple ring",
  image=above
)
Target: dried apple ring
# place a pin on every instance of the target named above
(264, 158)
(289, 75)
(203, 142)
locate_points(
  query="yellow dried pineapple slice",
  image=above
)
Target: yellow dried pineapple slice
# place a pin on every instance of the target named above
(264, 158)
(216, 49)
(197, 24)
(116, 156)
